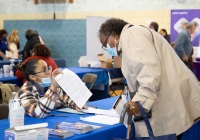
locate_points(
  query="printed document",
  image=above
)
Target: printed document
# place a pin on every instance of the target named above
(74, 87)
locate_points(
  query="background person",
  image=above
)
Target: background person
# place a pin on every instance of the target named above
(163, 33)
(40, 51)
(154, 26)
(3, 44)
(159, 79)
(183, 45)
(33, 38)
(13, 44)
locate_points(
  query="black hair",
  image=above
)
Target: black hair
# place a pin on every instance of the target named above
(2, 32)
(41, 50)
(29, 33)
(155, 26)
(112, 26)
(29, 68)
(164, 31)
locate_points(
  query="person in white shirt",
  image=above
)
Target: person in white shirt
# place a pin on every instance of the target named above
(13, 44)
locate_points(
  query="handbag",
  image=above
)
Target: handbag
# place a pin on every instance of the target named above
(149, 129)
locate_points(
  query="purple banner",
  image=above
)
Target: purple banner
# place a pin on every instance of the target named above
(179, 19)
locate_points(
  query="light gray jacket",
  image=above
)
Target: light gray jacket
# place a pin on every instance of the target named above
(162, 81)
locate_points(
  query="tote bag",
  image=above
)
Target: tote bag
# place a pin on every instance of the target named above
(149, 129)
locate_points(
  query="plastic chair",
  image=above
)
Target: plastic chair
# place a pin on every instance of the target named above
(89, 79)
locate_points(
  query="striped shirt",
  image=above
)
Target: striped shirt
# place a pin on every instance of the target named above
(38, 105)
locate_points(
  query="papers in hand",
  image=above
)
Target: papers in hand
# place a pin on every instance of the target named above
(74, 87)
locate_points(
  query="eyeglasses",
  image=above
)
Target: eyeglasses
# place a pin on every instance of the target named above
(104, 44)
(45, 70)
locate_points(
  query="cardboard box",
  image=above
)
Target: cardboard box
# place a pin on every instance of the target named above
(117, 62)
(105, 63)
(28, 132)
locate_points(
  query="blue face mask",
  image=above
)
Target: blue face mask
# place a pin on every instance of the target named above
(111, 51)
(46, 82)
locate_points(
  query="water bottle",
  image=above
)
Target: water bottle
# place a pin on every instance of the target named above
(11, 102)
(12, 69)
(16, 114)
(1, 73)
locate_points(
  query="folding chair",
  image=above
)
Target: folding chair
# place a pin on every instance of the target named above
(89, 80)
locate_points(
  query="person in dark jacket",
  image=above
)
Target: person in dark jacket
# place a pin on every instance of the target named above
(33, 38)
(163, 32)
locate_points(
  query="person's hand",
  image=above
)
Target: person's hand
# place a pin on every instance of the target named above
(54, 84)
(133, 110)
(185, 58)
(78, 109)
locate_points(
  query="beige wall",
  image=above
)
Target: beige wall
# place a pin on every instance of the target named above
(139, 17)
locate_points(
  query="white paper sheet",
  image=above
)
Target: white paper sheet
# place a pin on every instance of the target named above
(74, 87)
(69, 110)
(92, 110)
(102, 119)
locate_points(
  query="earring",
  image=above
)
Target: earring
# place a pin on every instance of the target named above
(116, 41)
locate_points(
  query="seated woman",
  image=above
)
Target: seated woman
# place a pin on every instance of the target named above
(34, 99)
(39, 51)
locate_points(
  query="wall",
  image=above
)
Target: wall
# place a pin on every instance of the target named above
(63, 40)
(135, 12)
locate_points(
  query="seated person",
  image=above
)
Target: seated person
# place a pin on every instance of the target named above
(36, 101)
(40, 51)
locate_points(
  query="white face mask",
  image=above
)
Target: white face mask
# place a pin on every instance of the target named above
(46, 82)
(111, 51)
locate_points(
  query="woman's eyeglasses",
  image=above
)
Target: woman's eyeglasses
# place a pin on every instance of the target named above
(104, 44)
(45, 70)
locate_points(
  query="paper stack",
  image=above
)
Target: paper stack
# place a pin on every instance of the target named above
(78, 128)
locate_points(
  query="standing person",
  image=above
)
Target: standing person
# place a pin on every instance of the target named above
(183, 45)
(33, 38)
(163, 32)
(159, 79)
(154, 26)
(13, 44)
(3, 44)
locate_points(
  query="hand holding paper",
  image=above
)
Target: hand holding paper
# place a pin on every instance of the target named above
(74, 87)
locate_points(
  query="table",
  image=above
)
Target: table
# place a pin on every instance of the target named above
(11, 80)
(105, 133)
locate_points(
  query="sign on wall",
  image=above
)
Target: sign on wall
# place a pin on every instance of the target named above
(179, 19)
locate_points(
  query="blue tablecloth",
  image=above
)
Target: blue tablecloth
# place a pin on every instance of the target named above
(115, 73)
(11, 80)
(102, 75)
(105, 133)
